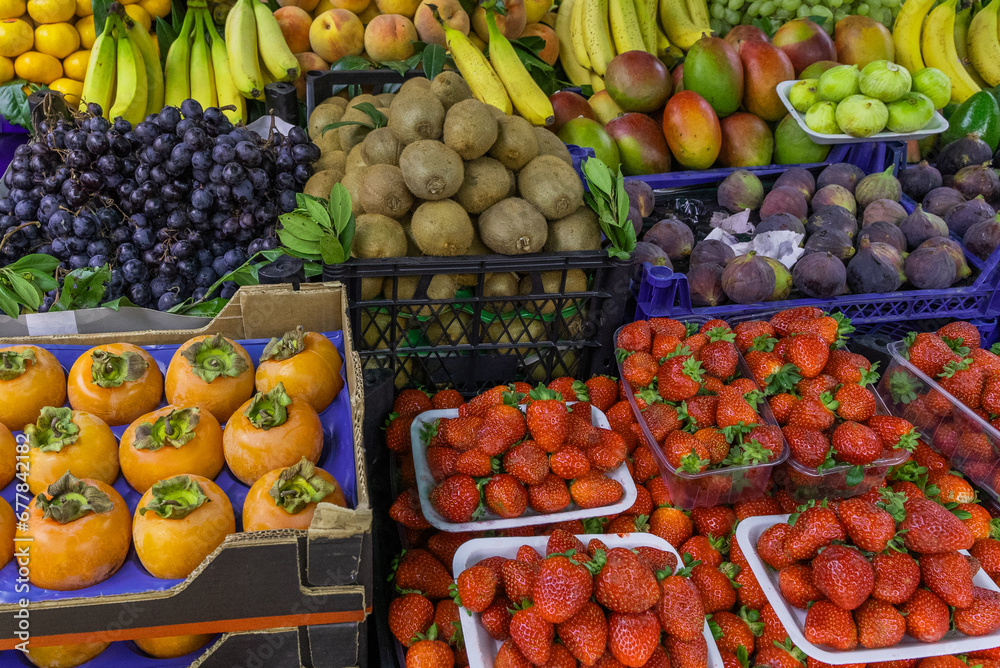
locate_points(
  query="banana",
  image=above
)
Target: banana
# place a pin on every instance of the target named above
(474, 67)
(241, 47)
(98, 84)
(939, 51)
(625, 26)
(529, 100)
(984, 47)
(645, 11)
(665, 51)
(279, 59)
(131, 93)
(151, 59)
(225, 88)
(678, 24)
(202, 73)
(597, 35)
(177, 70)
(906, 33)
(698, 11)
(596, 82)
(577, 73)
(575, 10)
(961, 37)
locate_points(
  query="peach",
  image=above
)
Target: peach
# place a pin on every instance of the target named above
(451, 13)
(337, 33)
(405, 7)
(534, 10)
(307, 5)
(510, 25)
(354, 6)
(550, 54)
(390, 37)
(307, 61)
(294, 23)
(370, 13)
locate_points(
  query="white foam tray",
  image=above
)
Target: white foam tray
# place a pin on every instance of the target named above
(480, 645)
(937, 125)
(425, 483)
(793, 619)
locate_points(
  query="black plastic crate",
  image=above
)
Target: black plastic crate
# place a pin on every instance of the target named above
(472, 342)
(321, 84)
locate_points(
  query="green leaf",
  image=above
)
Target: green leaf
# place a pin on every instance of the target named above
(302, 226)
(8, 302)
(352, 63)
(100, 8)
(295, 243)
(855, 475)
(304, 255)
(14, 104)
(83, 288)
(165, 37)
(116, 304)
(531, 43)
(339, 207)
(401, 67)
(433, 59)
(205, 309)
(347, 238)
(36, 261)
(331, 250)
(379, 119)
(27, 293)
(176, 17)
(319, 214)
(273, 5)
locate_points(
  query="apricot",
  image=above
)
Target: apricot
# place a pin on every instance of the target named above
(354, 6)
(307, 61)
(511, 25)
(294, 23)
(390, 37)
(550, 54)
(307, 5)
(451, 13)
(405, 7)
(335, 34)
(534, 10)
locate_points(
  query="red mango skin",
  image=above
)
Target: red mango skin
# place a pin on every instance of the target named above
(692, 130)
(641, 144)
(764, 67)
(804, 42)
(566, 106)
(638, 81)
(677, 74)
(744, 33)
(746, 141)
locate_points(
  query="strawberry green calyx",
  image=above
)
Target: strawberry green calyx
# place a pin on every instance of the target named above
(844, 327)
(855, 476)
(289, 345)
(270, 409)
(734, 433)
(957, 345)
(741, 651)
(542, 393)
(69, 499)
(869, 376)
(692, 369)
(430, 430)
(691, 328)
(53, 431)
(763, 343)
(892, 502)
(679, 351)
(951, 368)
(176, 429)
(298, 486)
(714, 628)
(754, 453)
(621, 354)
(995, 528)
(594, 524)
(908, 341)
(650, 395)
(720, 334)
(511, 397)
(783, 380)
(581, 390)
(829, 401)
(908, 441)
(730, 570)
(691, 463)
(110, 370)
(175, 498)
(429, 634)
(995, 349)
(792, 650)
(903, 387)
(215, 357)
(754, 397)
(752, 619)
(13, 364)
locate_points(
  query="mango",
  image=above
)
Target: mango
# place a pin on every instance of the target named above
(746, 141)
(641, 144)
(692, 130)
(764, 67)
(745, 33)
(713, 70)
(638, 81)
(792, 145)
(589, 133)
(604, 107)
(567, 105)
(861, 40)
(804, 42)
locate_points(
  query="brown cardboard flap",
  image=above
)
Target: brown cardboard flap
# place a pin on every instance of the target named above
(336, 522)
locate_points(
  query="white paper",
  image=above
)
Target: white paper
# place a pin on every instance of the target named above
(262, 126)
(738, 223)
(782, 245)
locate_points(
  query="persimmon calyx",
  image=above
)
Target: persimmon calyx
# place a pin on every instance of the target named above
(14, 364)
(69, 499)
(175, 498)
(53, 430)
(269, 409)
(298, 486)
(110, 370)
(214, 357)
(289, 345)
(176, 428)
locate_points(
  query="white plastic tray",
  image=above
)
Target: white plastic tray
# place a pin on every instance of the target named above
(481, 647)
(793, 619)
(425, 483)
(937, 125)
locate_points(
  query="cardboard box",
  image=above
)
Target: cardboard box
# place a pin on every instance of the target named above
(253, 581)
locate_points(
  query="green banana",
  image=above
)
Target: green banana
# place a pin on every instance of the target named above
(202, 72)
(177, 71)
(225, 88)
(131, 93)
(98, 84)
(279, 59)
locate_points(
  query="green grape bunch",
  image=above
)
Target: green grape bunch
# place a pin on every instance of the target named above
(728, 13)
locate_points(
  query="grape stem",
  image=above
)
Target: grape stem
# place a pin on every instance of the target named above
(33, 223)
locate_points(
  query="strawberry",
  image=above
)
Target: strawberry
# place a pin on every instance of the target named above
(719, 357)
(567, 387)
(868, 526)
(894, 432)
(926, 616)
(546, 418)
(449, 398)
(962, 382)
(456, 499)
(986, 360)
(570, 462)
(701, 548)
(843, 575)
(773, 631)
(718, 521)
(813, 663)
(679, 378)
(830, 329)
(715, 442)
(585, 634)
(527, 462)
(608, 453)
(807, 446)
(668, 326)
(670, 524)
(581, 433)
(771, 546)
(879, 624)
(503, 426)
(990, 398)
(658, 492)
(695, 342)
(441, 462)
(406, 510)
(519, 579)
(982, 616)
(855, 403)
(814, 528)
(814, 388)
(634, 337)
(639, 369)
(926, 457)
(747, 332)
(562, 541)
(659, 659)
(813, 412)
(549, 496)
(476, 463)
(987, 551)
(930, 528)
(429, 652)
(476, 587)
(509, 656)
(686, 654)
(830, 625)
(632, 637)
(698, 412)
(783, 320)
(947, 574)
(443, 544)
(594, 489)
(735, 629)
(929, 353)
(478, 404)
(788, 504)
(796, 584)
(460, 432)
(809, 353)
(716, 588)
(978, 520)
(748, 593)
(734, 410)
(411, 402)
(407, 474)
(764, 505)
(685, 453)
(505, 496)
(781, 406)
(664, 344)
(528, 555)
(397, 433)
(779, 654)
(447, 619)
(625, 584)
(532, 634)
(602, 392)
(855, 443)
(951, 488)
(850, 368)
(941, 662)
(961, 333)
(419, 570)
(409, 615)
(770, 373)
(661, 419)
(561, 588)
(770, 438)
(644, 466)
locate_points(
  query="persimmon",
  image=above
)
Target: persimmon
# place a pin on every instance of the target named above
(271, 431)
(171, 441)
(64, 656)
(63, 439)
(210, 371)
(287, 498)
(171, 647)
(8, 456)
(307, 363)
(79, 534)
(179, 522)
(7, 526)
(117, 382)
(30, 379)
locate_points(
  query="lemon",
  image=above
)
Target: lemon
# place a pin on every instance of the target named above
(75, 65)
(11, 9)
(84, 8)
(70, 89)
(39, 68)
(6, 70)
(139, 15)
(85, 28)
(157, 8)
(51, 11)
(57, 39)
(16, 37)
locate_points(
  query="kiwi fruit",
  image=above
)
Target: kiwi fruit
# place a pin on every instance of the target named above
(328, 142)
(550, 144)
(412, 249)
(335, 101)
(331, 160)
(371, 288)
(381, 147)
(352, 182)
(511, 183)
(450, 87)
(418, 85)
(513, 227)
(432, 170)
(551, 186)
(385, 99)
(321, 117)
(470, 129)
(497, 112)
(361, 99)
(477, 248)
(500, 287)
(384, 191)
(552, 284)
(579, 231)
(377, 329)
(442, 228)
(516, 330)
(378, 236)
(352, 135)
(441, 286)
(486, 182)
(355, 158)
(450, 328)
(320, 183)
(416, 117)
(516, 143)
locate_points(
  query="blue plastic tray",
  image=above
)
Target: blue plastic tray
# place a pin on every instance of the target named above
(337, 459)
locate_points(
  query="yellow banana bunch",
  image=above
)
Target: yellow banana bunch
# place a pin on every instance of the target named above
(529, 100)
(226, 91)
(682, 28)
(131, 92)
(597, 35)
(202, 72)
(151, 60)
(939, 50)
(241, 47)
(962, 21)
(483, 81)
(575, 9)
(98, 84)
(279, 59)
(625, 26)
(645, 11)
(575, 70)
(906, 33)
(984, 45)
(177, 70)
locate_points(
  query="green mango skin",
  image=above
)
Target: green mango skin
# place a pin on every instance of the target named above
(793, 146)
(713, 69)
(979, 114)
(589, 133)
(641, 144)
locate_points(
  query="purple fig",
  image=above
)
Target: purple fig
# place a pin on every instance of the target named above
(741, 190)
(832, 217)
(635, 218)
(929, 268)
(780, 222)
(651, 253)
(983, 238)
(820, 275)
(830, 240)
(883, 209)
(748, 279)
(969, 150)
(884, 232)
(920, 226)
(876, 267)
(881, 185)
(785, 200)
(977, 180)
(673, 236)
(954, 249)
(711, 251)
(843, 174)
(919, 180)
(705, 285)
(835, 195)
(800, 179)
(641, 196)
(961, 217)
(782, 279)
(940, 200)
